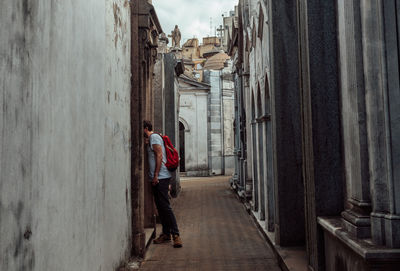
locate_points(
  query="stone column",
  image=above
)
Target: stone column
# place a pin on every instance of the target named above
(265, 189)
(247, 162)
(137, 150)
(392, 28)
(260, 164)
(321, 137)
(286, 125)
(358, 207)
(260, 155)
(380, 48)
(236, 177)
(256, 191)
(269, 163)
(143, 55)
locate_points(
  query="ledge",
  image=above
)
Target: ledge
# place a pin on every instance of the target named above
(289, 258)
(363, 247)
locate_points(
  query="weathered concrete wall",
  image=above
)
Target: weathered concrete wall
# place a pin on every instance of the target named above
(64, 149)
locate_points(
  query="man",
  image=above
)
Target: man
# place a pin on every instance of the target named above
(160, 178)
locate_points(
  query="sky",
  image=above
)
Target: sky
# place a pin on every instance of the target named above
(192, 16)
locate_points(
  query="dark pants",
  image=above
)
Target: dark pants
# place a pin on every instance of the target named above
(167, 217)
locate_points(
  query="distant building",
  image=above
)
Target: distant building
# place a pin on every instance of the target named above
(206, 106)
(229, 24)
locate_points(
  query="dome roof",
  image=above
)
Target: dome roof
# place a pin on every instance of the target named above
(216, 62)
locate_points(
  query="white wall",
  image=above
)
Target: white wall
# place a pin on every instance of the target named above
(65, 136)
(193, 110)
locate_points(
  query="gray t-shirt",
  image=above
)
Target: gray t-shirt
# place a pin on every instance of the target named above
(155, 139)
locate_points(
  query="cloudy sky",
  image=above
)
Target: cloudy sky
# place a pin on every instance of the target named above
(192, 16)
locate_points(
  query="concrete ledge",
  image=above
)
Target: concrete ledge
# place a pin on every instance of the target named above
(289, 258)
(363, 247)
(150, 233)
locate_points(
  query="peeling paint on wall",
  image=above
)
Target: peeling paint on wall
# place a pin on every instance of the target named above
(63, 167)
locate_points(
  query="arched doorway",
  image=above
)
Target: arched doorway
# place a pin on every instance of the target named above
(182, 147)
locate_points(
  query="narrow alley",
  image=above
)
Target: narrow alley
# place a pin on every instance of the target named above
(217, 232)
(278, 124)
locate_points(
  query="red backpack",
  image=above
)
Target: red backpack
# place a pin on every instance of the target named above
(172, 154)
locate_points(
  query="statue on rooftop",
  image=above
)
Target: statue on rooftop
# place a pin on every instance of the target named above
(176, 37)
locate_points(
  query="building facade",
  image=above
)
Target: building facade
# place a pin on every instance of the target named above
(316, 128)
(193, 106)
(206, 109)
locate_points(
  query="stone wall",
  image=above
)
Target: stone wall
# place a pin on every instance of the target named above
(368, 34)
(65, 135)
(330, 105)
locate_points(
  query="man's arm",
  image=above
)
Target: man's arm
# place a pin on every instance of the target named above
(158, 155)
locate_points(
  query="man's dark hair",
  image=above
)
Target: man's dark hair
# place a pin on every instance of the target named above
(147, 124)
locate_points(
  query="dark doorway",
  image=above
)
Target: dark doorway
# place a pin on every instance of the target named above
(182, 147)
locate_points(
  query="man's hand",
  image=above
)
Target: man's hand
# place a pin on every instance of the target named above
(154, 182)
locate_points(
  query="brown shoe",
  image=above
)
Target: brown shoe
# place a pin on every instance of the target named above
(163, 238)
(177, 241)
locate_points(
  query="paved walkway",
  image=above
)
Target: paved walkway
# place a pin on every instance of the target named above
(216, 231)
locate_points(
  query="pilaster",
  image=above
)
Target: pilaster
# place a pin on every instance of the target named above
(260, 164)
(322, 155)
(354, 132)
(374, 85)
(285, 113)
(381, 52)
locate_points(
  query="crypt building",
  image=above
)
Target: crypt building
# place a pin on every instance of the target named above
(317, 129)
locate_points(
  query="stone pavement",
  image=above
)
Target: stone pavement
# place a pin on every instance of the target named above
(217, 233)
